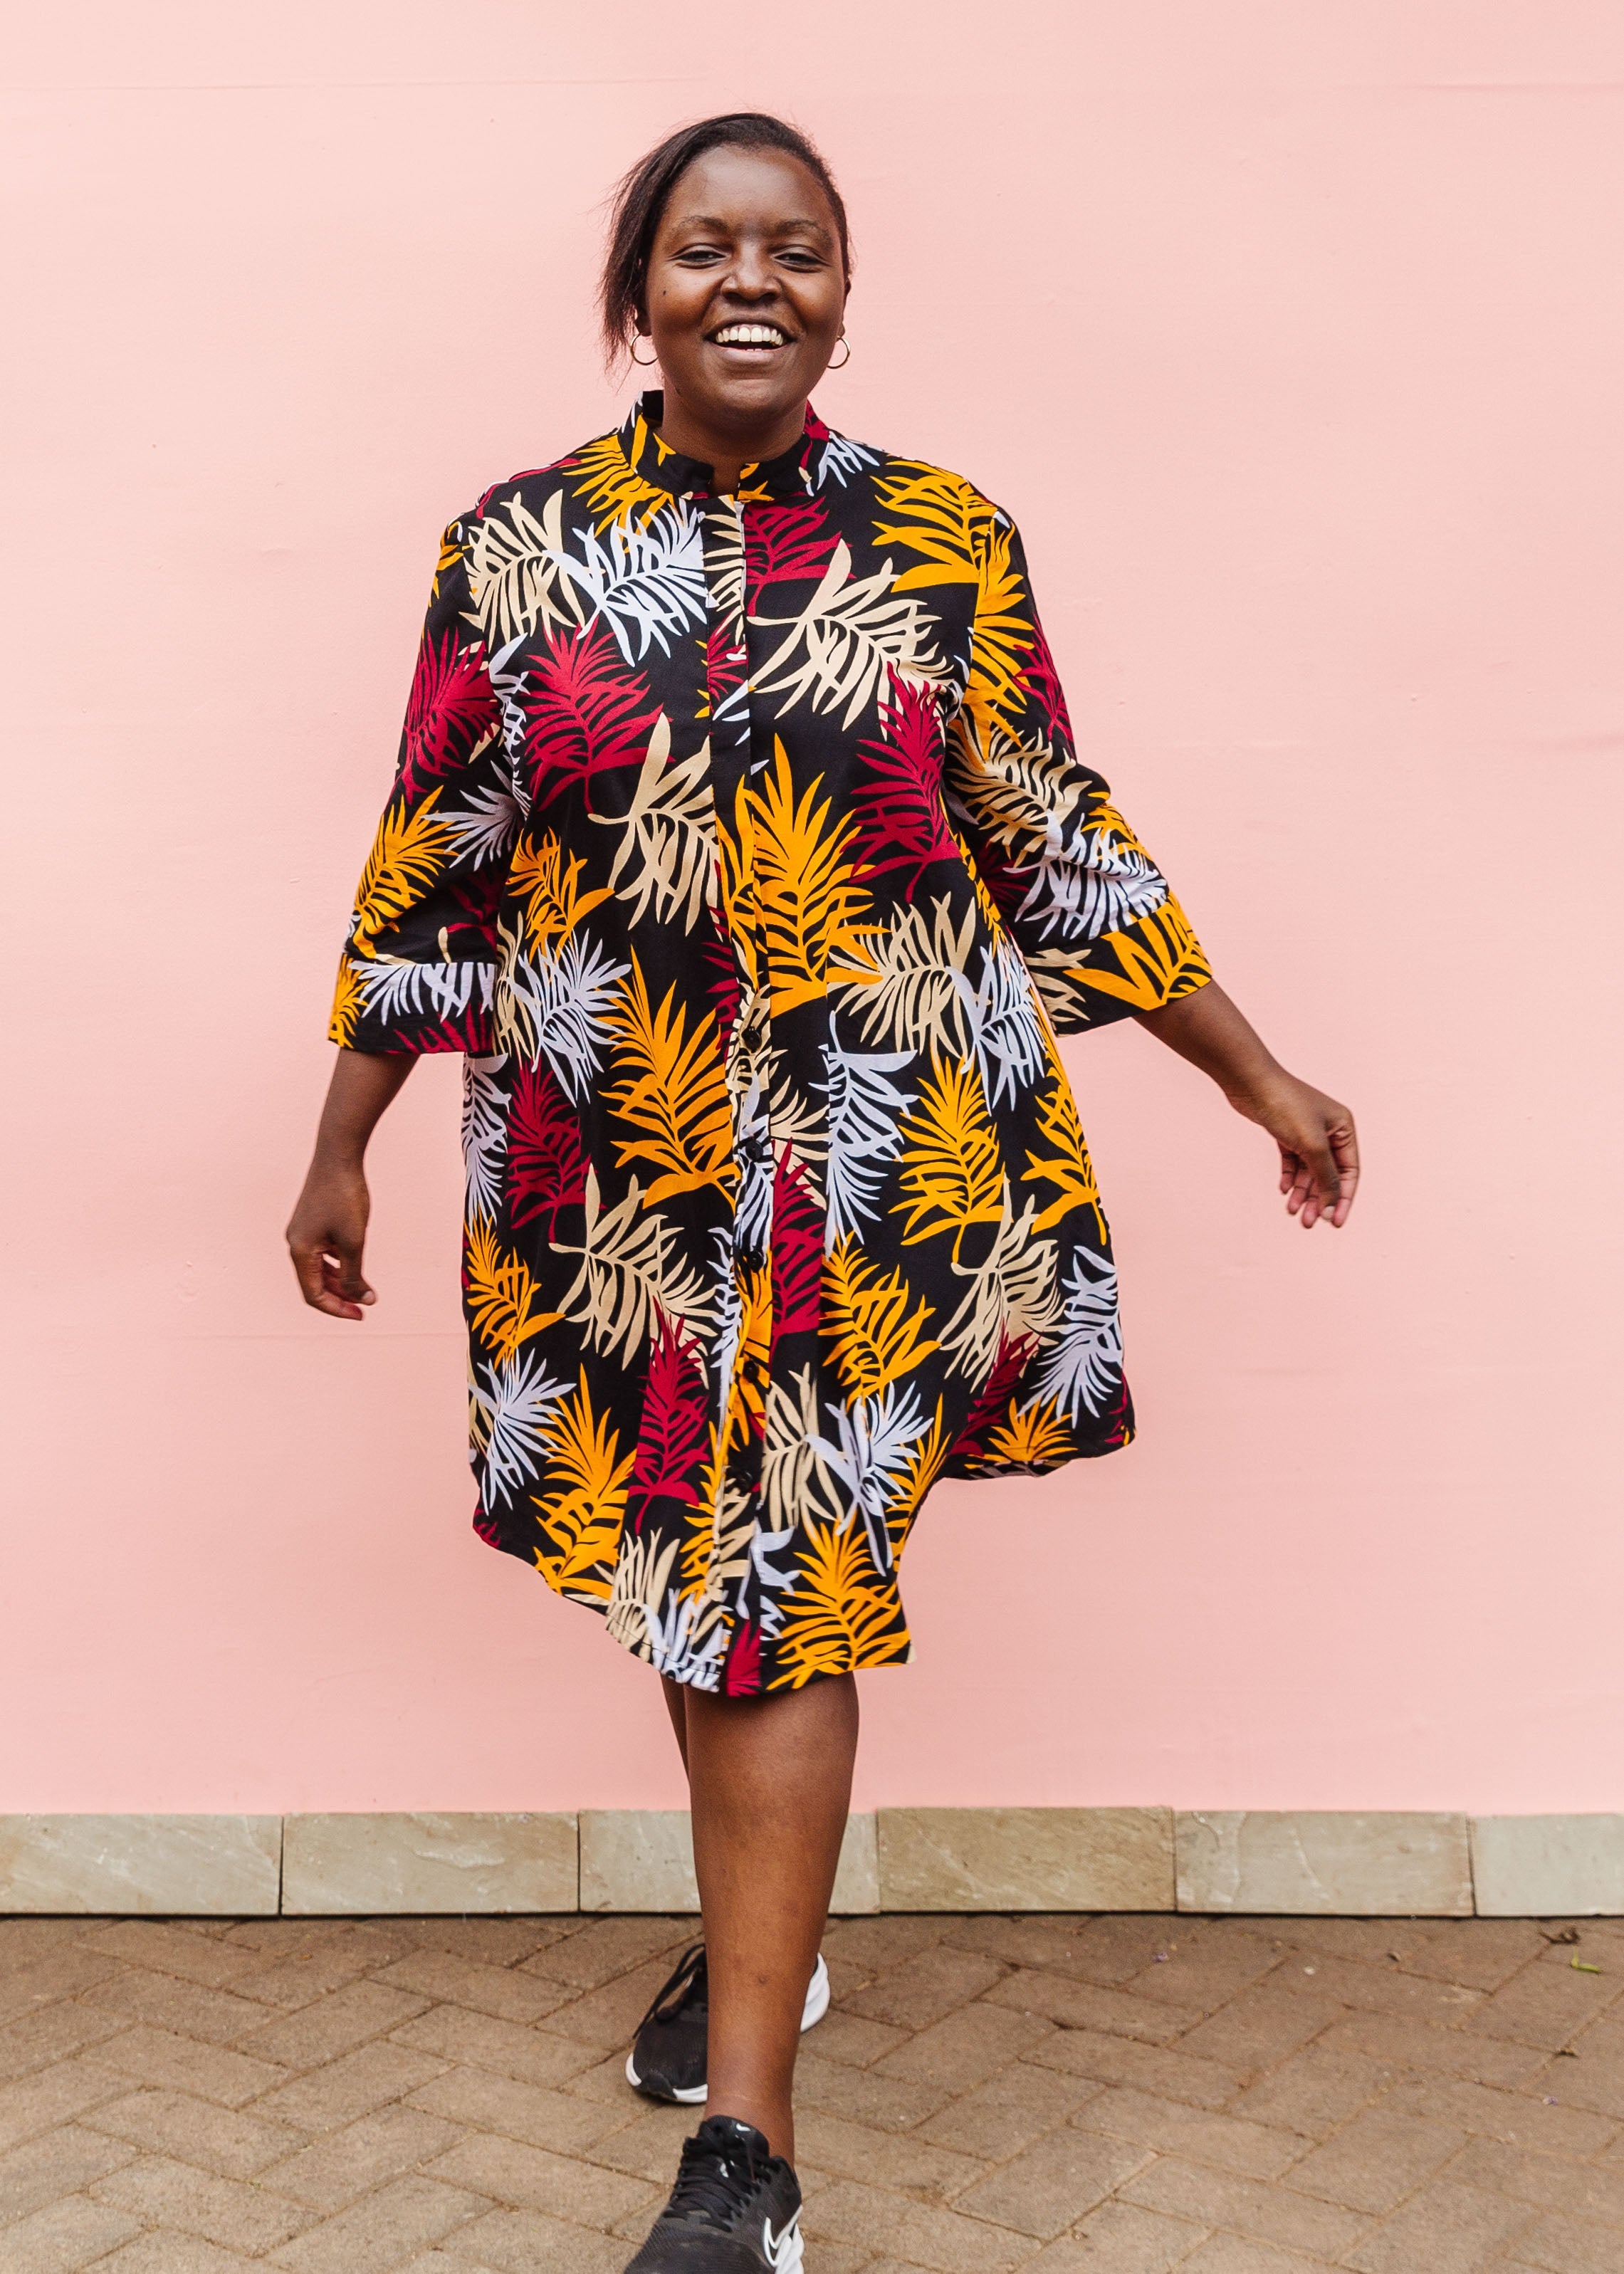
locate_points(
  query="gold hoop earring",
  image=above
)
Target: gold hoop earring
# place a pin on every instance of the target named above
(843, 343)
(636, 358)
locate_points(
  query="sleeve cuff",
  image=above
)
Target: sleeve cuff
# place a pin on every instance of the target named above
(392, 1006)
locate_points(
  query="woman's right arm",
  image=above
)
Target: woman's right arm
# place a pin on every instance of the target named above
(327, 1232)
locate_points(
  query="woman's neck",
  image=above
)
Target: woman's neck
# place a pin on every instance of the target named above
(726, 449)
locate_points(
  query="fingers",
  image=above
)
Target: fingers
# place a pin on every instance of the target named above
(1345, 1147)
(330, 1280)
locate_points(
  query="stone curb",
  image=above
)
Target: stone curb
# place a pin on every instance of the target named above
(1290, 1863)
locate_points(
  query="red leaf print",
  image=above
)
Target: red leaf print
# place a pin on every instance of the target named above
(585, 712)
(1008, 1367)
(546, 1161)
(785, 540)
(1037, 674)
(899, 809)
(723, 989)
(449, 708)
(675, 1437)
(797, 1255)
(742, 1674)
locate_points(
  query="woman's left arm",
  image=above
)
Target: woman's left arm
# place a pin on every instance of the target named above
(1319, 1147)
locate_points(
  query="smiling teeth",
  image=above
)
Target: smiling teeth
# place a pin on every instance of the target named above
(749, 336)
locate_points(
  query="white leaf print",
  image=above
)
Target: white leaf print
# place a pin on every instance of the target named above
(1010, 1044)
(555, 1004)
(668, 836)
(484, 1132)
(875, 1435)
(1085, 1367)
(483, 829)
(847, 636)
(866, 1110)
(396, 989)
(1103, 886)
(507, 1412)
(838, 460)
(647, 584)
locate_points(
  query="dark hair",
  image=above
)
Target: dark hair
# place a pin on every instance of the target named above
(641, 199)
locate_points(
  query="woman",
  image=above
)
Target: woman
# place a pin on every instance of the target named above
(739, 841)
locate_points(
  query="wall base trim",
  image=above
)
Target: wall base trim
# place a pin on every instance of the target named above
(1261, 1862)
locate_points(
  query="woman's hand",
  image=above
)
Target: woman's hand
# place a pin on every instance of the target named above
(1319, 1147)
(327, 1232)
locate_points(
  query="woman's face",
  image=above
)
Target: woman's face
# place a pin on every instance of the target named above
(746, 290)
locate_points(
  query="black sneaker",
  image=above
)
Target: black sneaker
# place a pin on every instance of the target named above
(668, 2056)
(735, 2208)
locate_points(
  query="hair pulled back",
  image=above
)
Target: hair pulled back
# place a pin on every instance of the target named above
(643, 194)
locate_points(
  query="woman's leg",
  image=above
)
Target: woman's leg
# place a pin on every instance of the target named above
(770, 1780)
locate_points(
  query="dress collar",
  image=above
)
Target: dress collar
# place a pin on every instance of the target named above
(789, 475)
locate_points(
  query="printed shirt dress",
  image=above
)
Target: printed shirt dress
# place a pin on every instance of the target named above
(739, 843)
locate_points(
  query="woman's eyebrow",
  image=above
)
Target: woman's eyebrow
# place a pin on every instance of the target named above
(803, 224)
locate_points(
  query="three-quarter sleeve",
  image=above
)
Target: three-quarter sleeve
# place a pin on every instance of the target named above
(1091, 915)
(419, 962)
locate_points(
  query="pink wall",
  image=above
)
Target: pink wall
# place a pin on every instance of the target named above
(1291, 332)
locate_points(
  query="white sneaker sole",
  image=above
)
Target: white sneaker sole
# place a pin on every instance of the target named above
(811, 2013)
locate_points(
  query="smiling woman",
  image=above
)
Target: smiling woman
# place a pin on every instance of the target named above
(739, 841)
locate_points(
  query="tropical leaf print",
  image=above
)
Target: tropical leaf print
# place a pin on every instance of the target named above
(632, 1269)
(804, 880)
(936, 516)
(741, 844)
(583, 1501)
(451, 714)
(556, 1006)
(1012, 1296)
(952, 1173)
(610, 488)
(668, 854)
(500, 1293)
(873, 1440)
(484, 1134)
(840, 1614)
(514, 586)
(1082, 1371)
(796, 541)
(927, 1458)
(797, 1252)
(1103, 886)
(674, 1442)
(647, 585)
(864, 1131)
(482, 829)
(908, 983)
(548, 881)
(1156, 961)
(547, 1160)
(877, 1337)
(509, 1405)
(672, 1092)
(408, 854)
(902, 822)
(840, 648)
(581, 715)
(1067, 1169)
(1032, 1437)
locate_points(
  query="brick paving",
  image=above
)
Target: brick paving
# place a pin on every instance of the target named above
(1072, 2095)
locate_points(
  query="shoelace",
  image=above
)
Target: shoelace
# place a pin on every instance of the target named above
(713, 2183)
(689, 1976)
